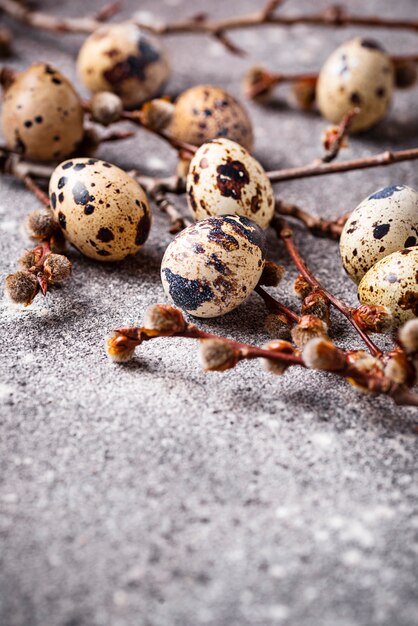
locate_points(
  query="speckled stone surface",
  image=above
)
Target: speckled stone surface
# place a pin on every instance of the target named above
(156, 495)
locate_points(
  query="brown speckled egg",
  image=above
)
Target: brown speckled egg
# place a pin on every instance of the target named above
(102, 210)
(383, 223)
(224, 178)
(126, 60)
(393, 282)
(42, 117)
(357, 74)
(212, 266)
(205, 112)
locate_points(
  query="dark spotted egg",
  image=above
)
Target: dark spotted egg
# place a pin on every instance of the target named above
(393, 282)
(126, 60)
(102, 210)
(384, 222)
(211, 267)
(205, 112)
(357, 74)
(224, 178)
(42, 117)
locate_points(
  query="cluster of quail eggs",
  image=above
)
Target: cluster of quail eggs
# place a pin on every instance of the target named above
(379, 250)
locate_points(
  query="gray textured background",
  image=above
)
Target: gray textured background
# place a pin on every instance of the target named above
(154, 494)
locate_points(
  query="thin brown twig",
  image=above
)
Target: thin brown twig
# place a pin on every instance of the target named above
(333, 16)
(318, 226)
(274, 306)
(284, 232)
(335, 137)
(317, 168)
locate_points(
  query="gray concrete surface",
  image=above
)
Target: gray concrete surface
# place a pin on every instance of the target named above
(156, 495)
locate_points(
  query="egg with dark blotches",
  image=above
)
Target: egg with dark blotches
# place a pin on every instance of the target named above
(360, 74)
(42, 116)
(393, 283)
(124, 59)
(205, 112)
(224, 178)
(383, 223)
(101, 210)
(212, 266)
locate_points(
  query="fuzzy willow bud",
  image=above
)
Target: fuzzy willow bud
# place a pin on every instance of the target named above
(308, 327)
(277, 325)
(106, 107)
(301, 287)
(217, 355)
(157, 114)
(408, 336)
(21, 287)
(316, 304)
(57, 268)
(272, 274)
(276, 367)
(322, 354)
(40, 224)
(164, 320)
(373, 318)
(120, 348)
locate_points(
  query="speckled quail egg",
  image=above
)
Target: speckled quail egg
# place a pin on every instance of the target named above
(126, 60)
(384, 222)
(102, 210)
(42, 117)
(205, 112)
(393, 282)
(357, 74)
(224, 178)
(212, 266)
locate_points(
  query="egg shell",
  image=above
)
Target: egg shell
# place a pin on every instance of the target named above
(357, 74)
(211, 267)
(384, 222)
(102, 210)
(42, 117)
(224, 178)
(205, 112)
(126, 60)
(393, 282)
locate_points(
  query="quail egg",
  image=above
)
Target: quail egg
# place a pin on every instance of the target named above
(126, 60)
(224, 178)
(42, 117)
(357, 74)
(384, 222)
(393, 282)
(212, 266)
(102, 210)
(205, 112)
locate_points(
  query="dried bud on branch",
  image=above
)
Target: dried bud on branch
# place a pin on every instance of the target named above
(21, 287)
(40, 224)
(157, 114)
(57, 268)
(272, 274)
(217, 355)
(106, 108)
(316, 304)
(308, 328)
(276, 367)
(304, 93)
(397, 368)
(408, 336)
(406, 73)
(162, 319)
(277, 325)
(373, 319)
(120, 348)
(301, 287)
(30, 258)
(322, 354)
(365, 364)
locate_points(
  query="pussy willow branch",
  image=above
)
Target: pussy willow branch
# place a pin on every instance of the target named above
(274, 306)
(266, 80)
(333, 16)
(284, 232)
(318, 226)
(336, 136)
(132, 337)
